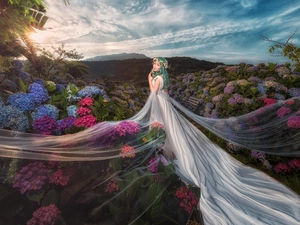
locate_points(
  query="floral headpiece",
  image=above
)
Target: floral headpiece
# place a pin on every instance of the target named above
(163, 66)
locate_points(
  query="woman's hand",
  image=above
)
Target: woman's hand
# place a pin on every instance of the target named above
(150, 76)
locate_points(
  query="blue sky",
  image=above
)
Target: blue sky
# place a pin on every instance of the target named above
(226, 31)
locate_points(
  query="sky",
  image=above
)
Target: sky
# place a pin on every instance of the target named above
(228, 31)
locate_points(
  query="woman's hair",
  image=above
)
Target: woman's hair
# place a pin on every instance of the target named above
(163, 66)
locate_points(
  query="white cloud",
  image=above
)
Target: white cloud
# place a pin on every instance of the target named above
(166, 28)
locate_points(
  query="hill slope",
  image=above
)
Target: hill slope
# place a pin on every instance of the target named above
(138, 69)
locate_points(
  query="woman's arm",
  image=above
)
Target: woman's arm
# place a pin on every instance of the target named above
(156, 85)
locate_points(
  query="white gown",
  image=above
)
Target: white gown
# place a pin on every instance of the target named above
(231, 193)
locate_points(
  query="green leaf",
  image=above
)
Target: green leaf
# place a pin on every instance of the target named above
(23, 86)
(116, 164)
(12, 210)
(3, 192)
(51, 197)
(36, 196)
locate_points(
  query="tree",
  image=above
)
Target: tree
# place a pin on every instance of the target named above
(57, 61)
(18, 19)
(286, 49)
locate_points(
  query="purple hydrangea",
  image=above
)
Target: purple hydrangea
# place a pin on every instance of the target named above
(228, 89)
(46, 110)
(235, 99)
(258, 155)
(22, 101)
(255, 79)
(31, 177)
(45, 125)
(66, 123)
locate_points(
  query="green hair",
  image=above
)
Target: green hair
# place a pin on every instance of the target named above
(163, 66)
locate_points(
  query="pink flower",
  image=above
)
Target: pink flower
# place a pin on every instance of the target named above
(269, 101)
(85, 121)
(283, 111)
(282, 168)
(290, 102)
(127, 152)
(86, 102)
(45, 215)
(60, 177)
(153, 165)
(293, 122)
(127, 127)
(31, 177)
(157, 125)
(83, 111)
(188, 198)
(294, 164)
(112, 186)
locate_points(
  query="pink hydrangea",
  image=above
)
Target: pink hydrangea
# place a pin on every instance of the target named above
(153, 165)
(283, 111)
(127, 152)
(269, 101)
(293, 122)
(294, 164)
(188, 198)
(83, 111)
(85, 121)
(157, 125)
(86, 102)
(282, 168)
(127, 127)
(31, 177)
(45, 215)
(112, 186)
(60, 177)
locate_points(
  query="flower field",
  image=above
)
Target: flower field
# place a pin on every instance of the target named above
(51, 192)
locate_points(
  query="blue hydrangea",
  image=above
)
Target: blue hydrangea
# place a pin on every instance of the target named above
(261, 89)
(294, 92)
(3, 117)
(279, 96)
(39, 81)
(46, 110)
(1, 102)
(14, 119)
(89, 91)
(60, 88)
(22, 101)
(39, 93)
(72, 110)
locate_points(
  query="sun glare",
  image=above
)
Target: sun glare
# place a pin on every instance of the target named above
(36, 36)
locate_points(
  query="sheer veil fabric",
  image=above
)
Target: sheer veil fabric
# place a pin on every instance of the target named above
(231, 193)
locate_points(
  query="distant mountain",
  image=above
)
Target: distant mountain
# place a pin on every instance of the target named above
(121, 56)
(137, 70)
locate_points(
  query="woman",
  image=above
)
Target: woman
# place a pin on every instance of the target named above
(231, 193)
